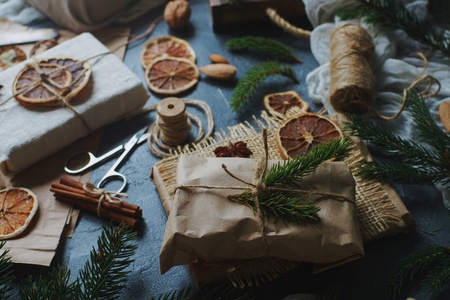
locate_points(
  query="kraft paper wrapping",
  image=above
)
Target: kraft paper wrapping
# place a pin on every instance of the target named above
(203, 225)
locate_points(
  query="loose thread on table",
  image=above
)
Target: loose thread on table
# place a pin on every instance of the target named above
(279, 21)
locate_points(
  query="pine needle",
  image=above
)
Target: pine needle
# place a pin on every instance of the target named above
(393, 14)
(182, 294)
(415, 265)
(253, 78)
(104, 275)
(438, 277)
(6, 273)
(266, 46)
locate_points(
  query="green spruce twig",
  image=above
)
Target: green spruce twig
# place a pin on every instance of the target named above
(266, 46)
(253, 78)
(435, 261)
(420, 164)
(393, 14)
(54, 286)
(222, 291)
(6, 273)
(275, 202)
(105, 274)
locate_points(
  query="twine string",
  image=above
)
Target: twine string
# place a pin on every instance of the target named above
(105, 195)
(279, 21)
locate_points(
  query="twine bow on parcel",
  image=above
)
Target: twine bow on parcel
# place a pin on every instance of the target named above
(105, 195)
(258, 187)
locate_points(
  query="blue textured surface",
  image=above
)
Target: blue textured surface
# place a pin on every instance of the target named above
(362, 279)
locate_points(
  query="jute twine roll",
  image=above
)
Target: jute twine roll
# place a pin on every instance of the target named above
(352, 84)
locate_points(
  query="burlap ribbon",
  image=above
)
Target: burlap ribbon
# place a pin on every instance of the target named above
(105, 195)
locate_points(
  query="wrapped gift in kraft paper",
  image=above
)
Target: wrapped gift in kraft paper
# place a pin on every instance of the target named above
(30, 134)
(204, 225)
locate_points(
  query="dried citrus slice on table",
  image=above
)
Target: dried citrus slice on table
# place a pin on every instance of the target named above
(11, 55)
(165, 46)
(279, 103)
(42, 46)
(61, 77)
(17, 208)
(302, 133)
(170, 76)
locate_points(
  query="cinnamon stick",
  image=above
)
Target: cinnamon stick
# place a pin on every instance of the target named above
(78, 185)
(60, 189)
(107, 214)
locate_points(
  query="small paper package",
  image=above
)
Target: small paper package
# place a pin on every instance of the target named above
(29, 134)
(204, 225)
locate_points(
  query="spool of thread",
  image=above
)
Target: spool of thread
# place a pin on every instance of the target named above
(352, 84)
(173, 121)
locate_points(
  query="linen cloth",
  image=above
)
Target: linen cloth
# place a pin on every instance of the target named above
(30, 134)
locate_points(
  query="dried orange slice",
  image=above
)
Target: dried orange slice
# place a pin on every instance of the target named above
(166, 46)
(42, 46)
(279, 103)
(42, 89)
(17, 208)
(170, 76)
(300, 134)
(11, 55)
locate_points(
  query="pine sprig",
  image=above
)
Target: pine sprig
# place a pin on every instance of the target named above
(105, 274)
(182, 294)
(392, 13)
(420, 164)
(277, 203)
(55, 286)
(293, 169)
(438, 277)
(6, 273)
(266, 46)
(411, 267)
(253, 78)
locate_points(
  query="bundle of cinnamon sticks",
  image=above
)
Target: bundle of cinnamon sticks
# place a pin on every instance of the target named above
(72, 191)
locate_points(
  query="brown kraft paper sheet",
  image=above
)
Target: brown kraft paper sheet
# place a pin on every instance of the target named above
(204, 225)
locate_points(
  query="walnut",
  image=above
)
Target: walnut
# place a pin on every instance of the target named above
(177, 13)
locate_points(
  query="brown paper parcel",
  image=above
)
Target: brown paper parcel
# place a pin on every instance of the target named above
(204, 225)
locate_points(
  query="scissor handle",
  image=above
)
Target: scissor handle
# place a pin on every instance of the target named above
(109, 176)
(93, 160)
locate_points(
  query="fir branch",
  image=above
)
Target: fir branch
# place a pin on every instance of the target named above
(402, 173)
(253, 78)
(266, 46)
(223, 291)
(104, 275)
(6, 273)
(292, 170)
(419, 164)
(425, 124)
(55, 286)
(438, 277)
(393, 14)
(277, 203)
(413, 266)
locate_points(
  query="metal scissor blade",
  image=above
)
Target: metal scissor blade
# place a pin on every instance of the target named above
(143, 137)
(135, 139)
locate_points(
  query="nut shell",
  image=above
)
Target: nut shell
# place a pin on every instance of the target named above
(218, 59)
(219, 71)
(177, 13)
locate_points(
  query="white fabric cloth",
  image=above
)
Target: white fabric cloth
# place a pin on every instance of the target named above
(76, 15)
(395, 67)
(31, 134)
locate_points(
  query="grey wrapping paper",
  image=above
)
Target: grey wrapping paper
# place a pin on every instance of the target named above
(204, 225)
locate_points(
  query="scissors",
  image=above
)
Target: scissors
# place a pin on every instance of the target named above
(137, 138)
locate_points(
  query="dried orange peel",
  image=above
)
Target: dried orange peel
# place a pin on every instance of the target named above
(17, 208)
(55, 78)
(171, 75)
(279, 103)
(166, 46)
(298, 135)
(11, 55)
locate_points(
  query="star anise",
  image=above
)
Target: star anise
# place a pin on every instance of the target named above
(238, 149)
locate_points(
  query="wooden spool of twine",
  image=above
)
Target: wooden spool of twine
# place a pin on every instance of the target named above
(173, 121)
(352, 84)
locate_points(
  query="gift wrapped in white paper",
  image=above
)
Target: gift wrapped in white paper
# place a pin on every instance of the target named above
(28, 135)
